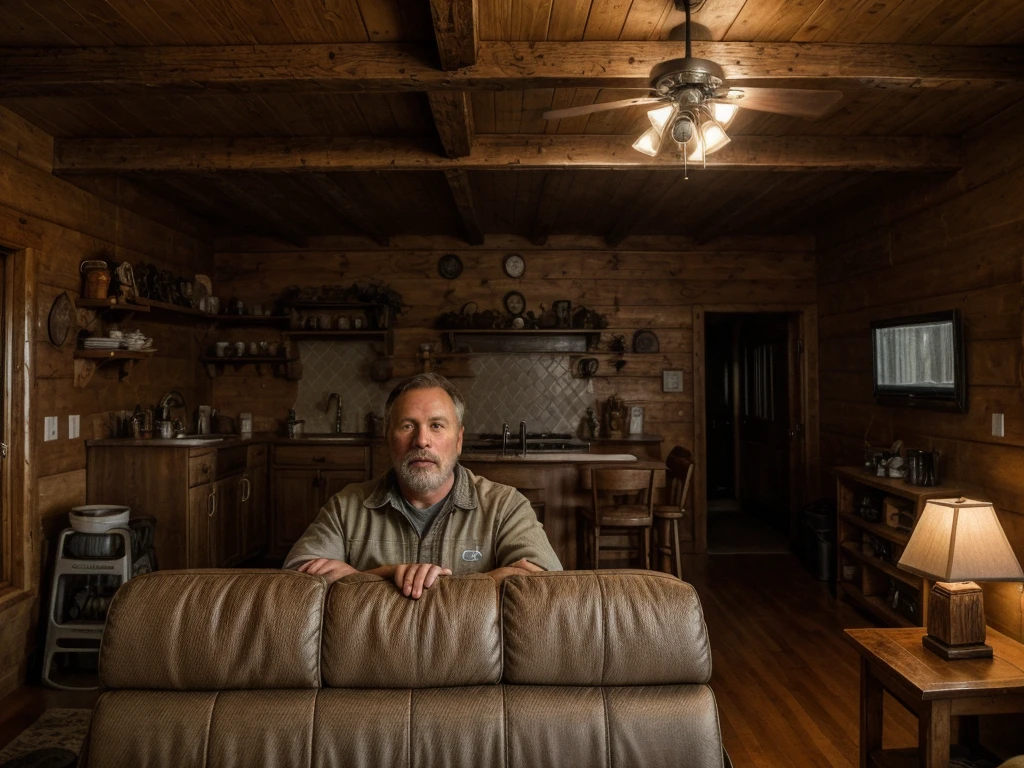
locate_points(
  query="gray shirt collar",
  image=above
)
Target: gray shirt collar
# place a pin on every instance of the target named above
(464, 495)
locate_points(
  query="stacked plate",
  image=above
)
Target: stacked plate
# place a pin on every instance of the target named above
(101, 342)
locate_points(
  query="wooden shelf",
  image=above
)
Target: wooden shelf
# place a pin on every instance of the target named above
(331, 305)
(352, 333)
(877, 606)
(278, 365)
(249, 319)
(174, 310)
(850, 549)
(881, 530)
(111, 303)
(896, 486)
(88, 360)
(555, 340)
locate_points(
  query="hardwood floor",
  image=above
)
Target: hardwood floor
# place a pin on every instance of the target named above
(787, 683)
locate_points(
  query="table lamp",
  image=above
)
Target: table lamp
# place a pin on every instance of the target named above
(956, 543)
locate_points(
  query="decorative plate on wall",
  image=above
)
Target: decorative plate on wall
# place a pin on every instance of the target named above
(645, 341)
(59, 322)
(449, 266)
(515, 303)
(514, 265)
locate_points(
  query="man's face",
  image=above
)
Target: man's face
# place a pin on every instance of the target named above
(425, 438)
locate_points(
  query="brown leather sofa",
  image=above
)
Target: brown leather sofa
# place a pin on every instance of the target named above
(272, 668)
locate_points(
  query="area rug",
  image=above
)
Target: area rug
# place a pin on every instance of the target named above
(56, 729)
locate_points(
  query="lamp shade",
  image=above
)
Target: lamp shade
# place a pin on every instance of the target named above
(960, 540)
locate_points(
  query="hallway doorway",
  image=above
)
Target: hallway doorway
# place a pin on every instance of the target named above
(752, 388)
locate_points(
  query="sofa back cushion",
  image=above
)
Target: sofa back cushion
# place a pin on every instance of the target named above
(214, 630)
(603, 628)
(374, 637)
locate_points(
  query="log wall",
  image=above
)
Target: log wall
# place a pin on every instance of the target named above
(954, 244)
(645, 283)
(63, 225)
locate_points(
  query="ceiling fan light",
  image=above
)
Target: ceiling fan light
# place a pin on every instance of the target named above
(649, 142)
(661, 117)
(713, 137)
(724, 113)
(696, 148)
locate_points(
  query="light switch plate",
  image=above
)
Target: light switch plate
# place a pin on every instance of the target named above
(50, 428)
(671, 381)
(998, 425)
(73, 426)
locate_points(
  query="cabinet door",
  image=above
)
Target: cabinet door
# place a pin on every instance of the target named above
(333, 480)
(254, 511)
(296, 499)
(201, 528)
(228, 520)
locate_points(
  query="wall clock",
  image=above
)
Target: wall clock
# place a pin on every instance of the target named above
(449, 266)
(515, 303)
(514, 265)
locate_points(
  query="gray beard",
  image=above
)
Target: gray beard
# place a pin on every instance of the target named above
(427, 479)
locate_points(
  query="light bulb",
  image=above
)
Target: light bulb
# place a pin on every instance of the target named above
(724, 113)
(697, 149)
(649, 142)
(661, 117)
(714, 137)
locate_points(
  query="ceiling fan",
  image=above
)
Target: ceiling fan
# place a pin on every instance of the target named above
(697, 104)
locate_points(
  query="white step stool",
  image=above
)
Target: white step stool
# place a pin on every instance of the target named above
(80, 636)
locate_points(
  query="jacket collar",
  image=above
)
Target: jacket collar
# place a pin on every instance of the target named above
(387, 492)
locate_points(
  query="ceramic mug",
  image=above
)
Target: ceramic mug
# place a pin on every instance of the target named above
(222, 348)
(254, 349)
(239, 349)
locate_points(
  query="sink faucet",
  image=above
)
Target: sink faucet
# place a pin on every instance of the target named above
(174, 398)
(505, 435)
(337, 414)
(522, 437)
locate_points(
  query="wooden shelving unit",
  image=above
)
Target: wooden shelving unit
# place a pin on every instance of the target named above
(88, 360)
(278, 365)
(560, 340)
(870, 581)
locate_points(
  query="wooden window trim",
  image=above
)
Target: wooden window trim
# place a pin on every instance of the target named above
(19, 540)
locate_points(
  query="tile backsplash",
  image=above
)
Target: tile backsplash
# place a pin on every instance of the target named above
(538, 389)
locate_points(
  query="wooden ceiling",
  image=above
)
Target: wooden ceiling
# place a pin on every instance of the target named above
(299, 118)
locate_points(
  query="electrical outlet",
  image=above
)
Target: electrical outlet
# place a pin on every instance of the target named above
(998, 425)
(50, 428)
(73, 426)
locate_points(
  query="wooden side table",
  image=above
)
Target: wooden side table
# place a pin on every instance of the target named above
(935, 690)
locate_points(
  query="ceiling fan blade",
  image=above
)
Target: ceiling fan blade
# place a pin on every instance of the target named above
(588, 109)
(782, 101)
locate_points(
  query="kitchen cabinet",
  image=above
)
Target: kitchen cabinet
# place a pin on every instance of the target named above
(303, 478)
(202, 498)
(254, 502)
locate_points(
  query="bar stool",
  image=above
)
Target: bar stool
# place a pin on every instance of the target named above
(680, 471)
(622, 501)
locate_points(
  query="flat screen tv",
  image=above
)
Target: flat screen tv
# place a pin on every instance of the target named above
(919, 361)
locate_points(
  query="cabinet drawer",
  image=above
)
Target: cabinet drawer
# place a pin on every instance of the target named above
(201, 469)
(334, 457)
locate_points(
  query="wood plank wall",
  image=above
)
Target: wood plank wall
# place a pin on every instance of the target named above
(64, 225)
(950, 245)
(645, 283)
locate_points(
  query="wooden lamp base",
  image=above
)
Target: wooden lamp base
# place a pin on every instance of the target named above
(956, 622)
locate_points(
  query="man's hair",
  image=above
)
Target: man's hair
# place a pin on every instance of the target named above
(425, 381)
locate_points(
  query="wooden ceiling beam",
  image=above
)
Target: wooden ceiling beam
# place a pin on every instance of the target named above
(458, 183)
(555, 190)
(500, 65)
(453, 116)
(456, 32)
(493, 152)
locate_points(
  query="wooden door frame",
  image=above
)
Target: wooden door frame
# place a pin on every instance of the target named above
(807, 324)
(21, 545)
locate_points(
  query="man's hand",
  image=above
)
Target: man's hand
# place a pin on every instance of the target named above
(518, 568)
(413, 578)
(332, 570)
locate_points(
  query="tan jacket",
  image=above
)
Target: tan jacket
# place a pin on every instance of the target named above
(483, 526)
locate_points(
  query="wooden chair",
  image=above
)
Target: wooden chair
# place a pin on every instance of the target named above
(622, 500)
(680, 471)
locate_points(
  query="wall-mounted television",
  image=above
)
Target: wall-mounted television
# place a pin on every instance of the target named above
(919, 361)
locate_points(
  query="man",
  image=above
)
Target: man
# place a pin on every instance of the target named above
(428, 516)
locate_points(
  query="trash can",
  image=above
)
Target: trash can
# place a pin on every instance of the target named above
(818, 539)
